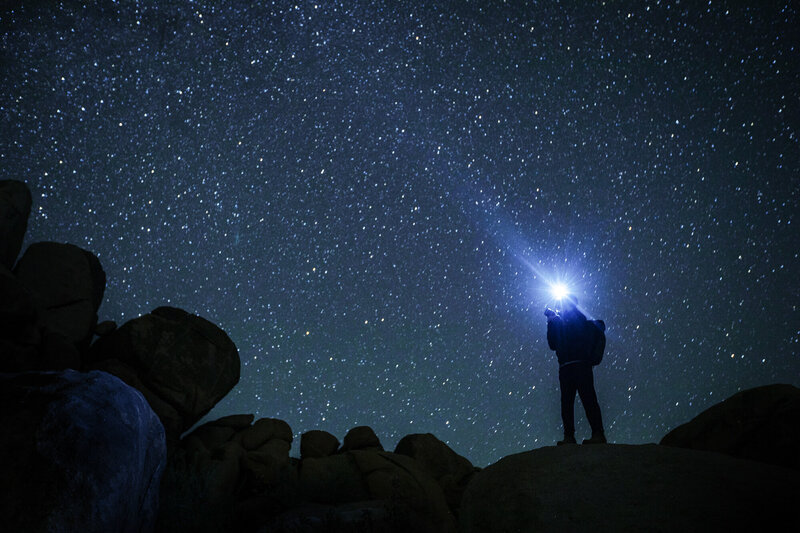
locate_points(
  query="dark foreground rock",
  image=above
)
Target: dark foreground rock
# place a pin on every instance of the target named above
(619, 488)
(411, 499)
(78, 452)
(451, 471)
(317, 443)
(67, 284)
(762, 424)
(361, 438)
(182, 363)
(15, 207)
(229, 474)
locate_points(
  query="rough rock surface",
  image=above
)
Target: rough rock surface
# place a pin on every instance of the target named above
(182, 363)
(368, 476)
(762, 424)
(317, 443)
(78, 452)
(25, 343)
(629, 488)
(19, 334)
(229, 475)
(67, 284)
(15, 207)
(361, 438)
(451, 471)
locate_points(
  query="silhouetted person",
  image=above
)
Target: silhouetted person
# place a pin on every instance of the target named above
(569, 334)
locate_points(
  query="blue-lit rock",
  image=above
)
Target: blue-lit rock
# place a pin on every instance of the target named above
(78, 452)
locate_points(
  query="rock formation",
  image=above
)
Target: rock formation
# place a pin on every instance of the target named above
(85, 451)
(78, 452)
(15, 207)
(361, 438)
(317, 443)
(67, 284)
(235, 475)
(182, 363)
(451, 471)
(629, 488)
(762, 424)
(369, 476)
(229, 473)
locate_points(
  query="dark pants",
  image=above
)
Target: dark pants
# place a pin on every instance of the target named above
(577, 377)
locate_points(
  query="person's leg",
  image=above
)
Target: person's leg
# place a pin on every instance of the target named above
(568, 389)
(586, 390)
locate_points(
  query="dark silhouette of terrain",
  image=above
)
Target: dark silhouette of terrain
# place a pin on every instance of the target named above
(93, 419)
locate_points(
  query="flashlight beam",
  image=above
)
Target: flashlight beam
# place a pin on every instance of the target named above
(559, 291)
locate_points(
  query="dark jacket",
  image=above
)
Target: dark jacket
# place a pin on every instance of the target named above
(568, 335)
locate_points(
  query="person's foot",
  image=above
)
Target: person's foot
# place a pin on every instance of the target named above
(568, 439)
(597, 438)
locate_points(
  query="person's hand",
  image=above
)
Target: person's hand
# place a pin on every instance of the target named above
(549, 313)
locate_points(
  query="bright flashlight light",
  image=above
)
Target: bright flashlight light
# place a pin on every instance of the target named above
(559, 291)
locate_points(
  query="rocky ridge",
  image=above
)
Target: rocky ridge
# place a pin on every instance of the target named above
(85, 400)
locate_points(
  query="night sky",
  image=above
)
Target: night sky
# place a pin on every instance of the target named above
(371, 198)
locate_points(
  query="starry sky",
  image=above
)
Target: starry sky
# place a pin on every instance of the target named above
(371, 198)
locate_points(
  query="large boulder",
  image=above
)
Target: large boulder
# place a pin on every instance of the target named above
(15, 207)
(317, 443)
(361, 438)
(409, 495)
(19, 334)
(451, 471)
(629, 488)
(78, 452)
(182, 363)
(67, 285)
(25, 342)
(762, 424)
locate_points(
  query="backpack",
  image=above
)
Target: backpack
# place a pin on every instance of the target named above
(596, 340)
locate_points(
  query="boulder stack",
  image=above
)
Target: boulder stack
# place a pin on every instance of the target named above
(182, 363)
(451, 471)
(67, 284)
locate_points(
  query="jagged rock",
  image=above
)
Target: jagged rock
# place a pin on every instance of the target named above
(67, 285)
(15, 207)
(360, 438)
(629, 488)
(317, 443)
(451, 471)
(182, 363)
(762, 424)
(78, 452)
(367, 475)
